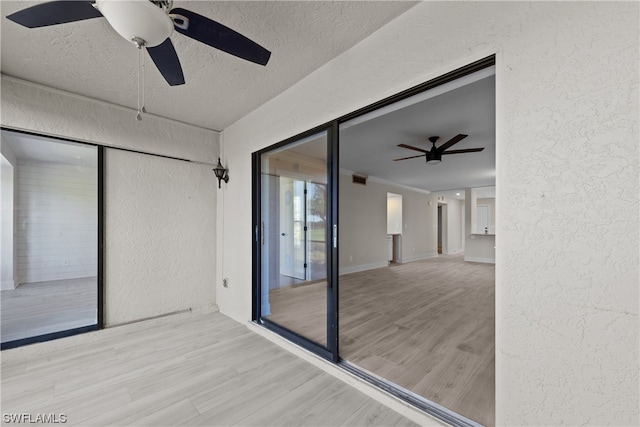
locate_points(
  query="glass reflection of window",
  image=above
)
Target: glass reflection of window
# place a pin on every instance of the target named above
(293, 248)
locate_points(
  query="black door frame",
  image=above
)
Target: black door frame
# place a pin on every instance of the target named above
(100, 254)
(332, 351)
(329, 352)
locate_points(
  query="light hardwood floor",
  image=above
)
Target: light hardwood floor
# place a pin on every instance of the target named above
(427, 326)
(41, 308)
(197, 370)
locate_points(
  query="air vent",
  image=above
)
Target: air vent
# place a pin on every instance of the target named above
(359, 179)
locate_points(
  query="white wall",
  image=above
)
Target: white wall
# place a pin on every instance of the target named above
(57, 221)
(7, 201)
(363, 225)
(567, 224)
(160, 213)
(454, 226)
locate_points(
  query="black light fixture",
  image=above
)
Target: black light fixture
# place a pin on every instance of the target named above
(434, 156)
(221, 173)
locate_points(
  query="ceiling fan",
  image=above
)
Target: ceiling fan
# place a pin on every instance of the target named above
(434, 156)
(148, 24)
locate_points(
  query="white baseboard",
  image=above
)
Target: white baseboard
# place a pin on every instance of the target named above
(7, 285)
(380, 264)
(419, 257)
(477, 259)
(454, 251)
(363, 267)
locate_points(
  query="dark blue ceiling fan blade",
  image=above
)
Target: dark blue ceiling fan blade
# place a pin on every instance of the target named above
(55, 12)
(166, 59)
(217, 35)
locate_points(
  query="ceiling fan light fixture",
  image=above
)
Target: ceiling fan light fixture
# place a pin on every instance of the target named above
(433, 161)
(137, 20)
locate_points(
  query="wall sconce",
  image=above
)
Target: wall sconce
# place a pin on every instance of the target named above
(221, 173)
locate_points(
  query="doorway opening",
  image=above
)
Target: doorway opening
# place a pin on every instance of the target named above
(426, 322)
(392, 305)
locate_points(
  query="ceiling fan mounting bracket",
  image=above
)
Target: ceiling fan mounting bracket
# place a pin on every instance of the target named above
(140, 43)
(434, 139)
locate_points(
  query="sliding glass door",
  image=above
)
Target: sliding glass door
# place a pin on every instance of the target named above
(291, 236)
(414, 322)
(50, 238)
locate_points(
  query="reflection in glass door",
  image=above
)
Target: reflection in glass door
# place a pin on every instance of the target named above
(293, 244)
(50, 238)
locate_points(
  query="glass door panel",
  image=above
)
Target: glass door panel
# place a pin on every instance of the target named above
(293, 246)
(49, 249)
(292, 222)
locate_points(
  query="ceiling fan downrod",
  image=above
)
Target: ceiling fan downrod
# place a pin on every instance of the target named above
(141, 63)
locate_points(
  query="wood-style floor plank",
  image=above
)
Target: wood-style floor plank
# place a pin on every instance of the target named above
(196, 370)
(427, 326)
(41, 308)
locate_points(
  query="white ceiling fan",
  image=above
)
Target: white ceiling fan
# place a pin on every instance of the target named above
(147, 24)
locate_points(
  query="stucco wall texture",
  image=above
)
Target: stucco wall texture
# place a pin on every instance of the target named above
(160, 236)
(567, 186)
(160, 214)
(567, 82)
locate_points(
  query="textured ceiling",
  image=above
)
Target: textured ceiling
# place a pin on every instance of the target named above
(369, 143)
(89, 58)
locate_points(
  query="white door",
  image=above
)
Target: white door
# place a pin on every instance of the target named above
(292, 223)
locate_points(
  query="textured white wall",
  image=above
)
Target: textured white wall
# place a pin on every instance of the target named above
(567, 182)
(160, 237)
(31, 107)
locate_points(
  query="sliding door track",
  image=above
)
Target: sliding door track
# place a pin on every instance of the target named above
(441, 413)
